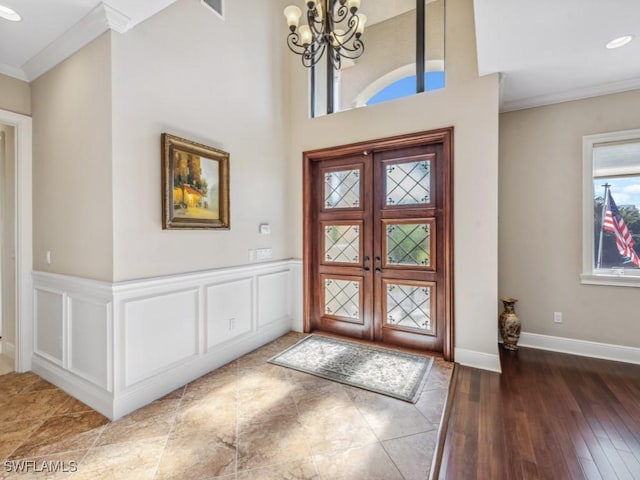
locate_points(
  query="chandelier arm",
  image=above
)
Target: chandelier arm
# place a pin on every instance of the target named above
(352, 31)
(316, 26)
(313, 55)
(352, 53)
(293, 42)
(340, 15)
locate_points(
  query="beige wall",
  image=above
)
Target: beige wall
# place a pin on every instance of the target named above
(470, 105)
(15, 95)
(221, 83)
(8, 232)
(72, 194)
(541, 220)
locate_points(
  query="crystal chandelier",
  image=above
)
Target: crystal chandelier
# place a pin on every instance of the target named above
(332, 25)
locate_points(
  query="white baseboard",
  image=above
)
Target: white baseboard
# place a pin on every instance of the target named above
(8, 349)
(481, 360)
(86, 392)
(583, 348)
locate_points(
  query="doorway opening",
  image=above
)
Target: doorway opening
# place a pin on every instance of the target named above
(7, 249)
(18, 260)
(378, 241)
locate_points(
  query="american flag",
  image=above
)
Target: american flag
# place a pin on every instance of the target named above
(613, 222)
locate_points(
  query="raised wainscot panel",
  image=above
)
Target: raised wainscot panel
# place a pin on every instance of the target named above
(89, 353)
(273, 297)
(49, 324)
(228, 311)
(159, 332)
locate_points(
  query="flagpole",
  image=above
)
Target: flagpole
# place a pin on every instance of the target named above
(604, 211)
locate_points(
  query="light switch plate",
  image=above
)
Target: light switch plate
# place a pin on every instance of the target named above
(264, 253)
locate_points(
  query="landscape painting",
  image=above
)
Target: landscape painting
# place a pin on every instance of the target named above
(195, 185)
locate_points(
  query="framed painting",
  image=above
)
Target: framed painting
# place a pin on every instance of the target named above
(195, 185)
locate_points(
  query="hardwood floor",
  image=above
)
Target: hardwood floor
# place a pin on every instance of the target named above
(548, 416)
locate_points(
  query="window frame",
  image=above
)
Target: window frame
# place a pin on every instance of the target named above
(589, 276)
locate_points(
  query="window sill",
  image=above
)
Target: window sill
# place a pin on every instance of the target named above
(610, 280)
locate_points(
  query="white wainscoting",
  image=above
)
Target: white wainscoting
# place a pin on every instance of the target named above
(120, 346)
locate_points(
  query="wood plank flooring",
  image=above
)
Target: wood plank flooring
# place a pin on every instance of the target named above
(548, 416)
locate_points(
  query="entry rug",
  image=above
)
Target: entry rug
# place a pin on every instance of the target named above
(395, 374)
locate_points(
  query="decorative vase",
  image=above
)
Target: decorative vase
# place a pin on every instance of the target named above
(509, 324)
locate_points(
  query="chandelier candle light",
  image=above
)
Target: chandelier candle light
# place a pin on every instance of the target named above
(331, 25)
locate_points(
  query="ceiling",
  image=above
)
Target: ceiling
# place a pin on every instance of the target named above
(551, 51)
(56, 28)
(547, 51)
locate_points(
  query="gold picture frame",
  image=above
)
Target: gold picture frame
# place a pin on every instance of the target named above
(195, 185)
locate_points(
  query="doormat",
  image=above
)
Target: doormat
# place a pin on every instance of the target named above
(395, 374)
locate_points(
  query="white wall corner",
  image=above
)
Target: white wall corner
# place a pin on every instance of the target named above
(481, 360)
(91, 26)
(584, 348)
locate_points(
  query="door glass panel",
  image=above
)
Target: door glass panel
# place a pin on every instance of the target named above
(409, 306)
(342, 243)
(342, 298)
(342, 189)
(408, 183)
(409, 244)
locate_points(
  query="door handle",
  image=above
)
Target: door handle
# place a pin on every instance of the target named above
(378, 269)
(366, 269)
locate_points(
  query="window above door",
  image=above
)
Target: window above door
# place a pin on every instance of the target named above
(403, 56)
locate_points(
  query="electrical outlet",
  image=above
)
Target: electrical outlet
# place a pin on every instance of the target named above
(557, 317)
(232, 324)
(252, 255)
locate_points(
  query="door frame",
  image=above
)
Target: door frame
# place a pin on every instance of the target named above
(443, 136)
(23, 237)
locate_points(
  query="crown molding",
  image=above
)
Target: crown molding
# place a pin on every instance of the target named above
(14, 72)
(569, 95)
(99, 20)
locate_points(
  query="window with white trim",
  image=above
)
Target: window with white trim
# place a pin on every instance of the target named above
(611, 209)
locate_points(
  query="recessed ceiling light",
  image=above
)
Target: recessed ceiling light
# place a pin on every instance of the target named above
(620, 41)
(9, 14)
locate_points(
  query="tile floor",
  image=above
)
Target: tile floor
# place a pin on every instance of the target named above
(246, 420)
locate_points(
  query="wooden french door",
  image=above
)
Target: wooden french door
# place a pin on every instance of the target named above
(378, 244)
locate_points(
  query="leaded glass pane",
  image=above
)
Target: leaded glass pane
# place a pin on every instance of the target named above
(409, 244)
(409, 306)
(342, 298)
(409, 183)
(342, 243)
(342, 189)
